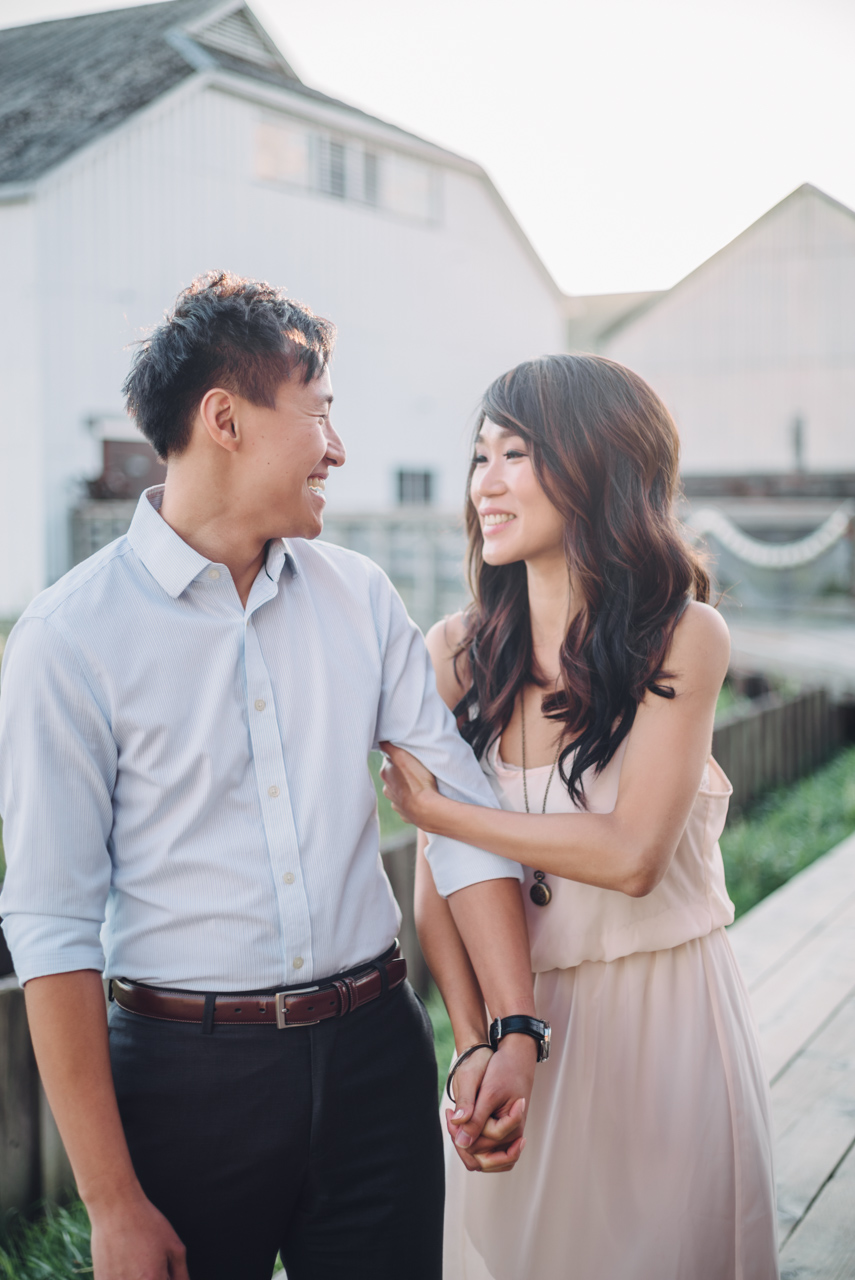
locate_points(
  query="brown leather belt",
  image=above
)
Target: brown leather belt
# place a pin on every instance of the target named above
(290, 1008)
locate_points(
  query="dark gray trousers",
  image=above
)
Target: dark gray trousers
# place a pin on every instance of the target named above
(320, 1142)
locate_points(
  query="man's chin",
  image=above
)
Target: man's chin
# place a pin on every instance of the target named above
(308, 528)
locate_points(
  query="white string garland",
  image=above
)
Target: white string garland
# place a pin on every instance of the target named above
(771, 555)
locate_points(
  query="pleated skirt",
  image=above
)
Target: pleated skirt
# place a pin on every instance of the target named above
(649, 1152)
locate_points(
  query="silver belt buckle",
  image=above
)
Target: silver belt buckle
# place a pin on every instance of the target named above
(281, 1011)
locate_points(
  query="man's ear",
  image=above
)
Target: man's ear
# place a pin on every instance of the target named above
(218, 412)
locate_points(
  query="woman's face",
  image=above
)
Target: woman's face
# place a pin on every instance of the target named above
(518, 520)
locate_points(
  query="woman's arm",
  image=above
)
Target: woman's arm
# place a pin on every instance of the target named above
(448, 960)
(629, 849)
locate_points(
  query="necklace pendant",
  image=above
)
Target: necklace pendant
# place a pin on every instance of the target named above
(540, 892)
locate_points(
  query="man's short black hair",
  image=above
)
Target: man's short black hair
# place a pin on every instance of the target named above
(224, 330)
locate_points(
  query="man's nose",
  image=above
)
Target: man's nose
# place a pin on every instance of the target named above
(336, 453)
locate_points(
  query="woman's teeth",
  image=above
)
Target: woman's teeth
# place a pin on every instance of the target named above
(502, 518)
(316, 484)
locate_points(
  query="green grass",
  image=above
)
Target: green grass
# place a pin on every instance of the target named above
(787, 830)
(729, 700)
(53, 1247)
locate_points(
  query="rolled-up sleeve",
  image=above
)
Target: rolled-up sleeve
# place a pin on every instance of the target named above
(57, 772)
(413, 715)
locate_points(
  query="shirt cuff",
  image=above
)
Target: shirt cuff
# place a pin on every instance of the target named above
(39, 949)
(456, 865)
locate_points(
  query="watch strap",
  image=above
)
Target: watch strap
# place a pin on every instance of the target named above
(522, 1024)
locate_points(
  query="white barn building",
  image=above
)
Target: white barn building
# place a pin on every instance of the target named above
(754, 351)
(142, 146)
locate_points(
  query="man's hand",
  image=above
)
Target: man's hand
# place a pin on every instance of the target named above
(131, 1240)
(488, 1121)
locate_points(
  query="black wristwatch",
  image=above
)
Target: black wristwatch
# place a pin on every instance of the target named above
(522, 1024)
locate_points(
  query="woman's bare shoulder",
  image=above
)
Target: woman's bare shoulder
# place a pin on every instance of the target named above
(443, 641)
(701, 640)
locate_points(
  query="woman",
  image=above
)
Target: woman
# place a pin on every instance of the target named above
(585, 676)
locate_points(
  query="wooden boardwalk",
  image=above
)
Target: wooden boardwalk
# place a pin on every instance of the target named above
(796, 950)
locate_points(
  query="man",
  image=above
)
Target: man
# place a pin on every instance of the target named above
(184, 729)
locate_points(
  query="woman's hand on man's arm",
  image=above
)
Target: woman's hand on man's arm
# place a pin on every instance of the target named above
(629, 849)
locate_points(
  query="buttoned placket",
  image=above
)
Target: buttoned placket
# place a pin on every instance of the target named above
(274, 795)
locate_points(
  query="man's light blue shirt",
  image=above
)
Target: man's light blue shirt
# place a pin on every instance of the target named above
(184, 781)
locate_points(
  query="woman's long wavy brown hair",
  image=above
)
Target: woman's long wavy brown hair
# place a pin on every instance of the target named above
(605, 450)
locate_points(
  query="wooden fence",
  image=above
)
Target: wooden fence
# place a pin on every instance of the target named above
(775, 741)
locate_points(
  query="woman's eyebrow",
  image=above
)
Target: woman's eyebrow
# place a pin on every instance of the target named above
(504, 432)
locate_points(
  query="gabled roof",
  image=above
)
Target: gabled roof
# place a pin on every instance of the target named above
(64, 83)
(806, 190)
(592, 315)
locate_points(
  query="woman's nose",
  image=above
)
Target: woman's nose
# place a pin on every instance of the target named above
(489, 481)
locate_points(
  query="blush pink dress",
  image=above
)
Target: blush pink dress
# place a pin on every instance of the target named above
(648, 1151)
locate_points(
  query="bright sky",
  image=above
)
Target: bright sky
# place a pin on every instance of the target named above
(631, 138)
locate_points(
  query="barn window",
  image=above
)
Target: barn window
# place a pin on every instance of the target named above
(370, 177)
(408, 187)
(282, 153)
(297, 155)
(415, 488)
(237, 34)
(332, 166)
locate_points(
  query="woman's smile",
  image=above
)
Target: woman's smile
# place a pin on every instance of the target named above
(492, 522)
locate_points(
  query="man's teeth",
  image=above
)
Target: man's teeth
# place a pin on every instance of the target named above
(317, 485)
(502, 518)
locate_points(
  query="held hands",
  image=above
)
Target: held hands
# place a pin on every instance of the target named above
(492, 1091)
(408, 785)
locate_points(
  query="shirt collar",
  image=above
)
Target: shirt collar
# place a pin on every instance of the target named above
(170, 560)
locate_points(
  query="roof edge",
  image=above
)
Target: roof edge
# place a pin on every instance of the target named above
(805, 188)
(16, 192)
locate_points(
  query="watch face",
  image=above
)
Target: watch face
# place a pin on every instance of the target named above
(547, 1041)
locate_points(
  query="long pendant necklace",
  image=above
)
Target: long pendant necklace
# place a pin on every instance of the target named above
(540, 892)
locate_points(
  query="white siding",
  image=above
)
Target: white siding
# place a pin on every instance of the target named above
(428, 313)
(22, 367)
(762, 333)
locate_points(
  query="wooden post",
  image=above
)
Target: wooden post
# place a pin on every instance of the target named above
(399, 860)
(19, 1103)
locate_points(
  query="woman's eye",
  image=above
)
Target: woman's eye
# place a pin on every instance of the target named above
(515, 453)
(478, 459)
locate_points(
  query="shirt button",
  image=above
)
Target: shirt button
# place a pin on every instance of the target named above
(213, 573)
(260, 704)
(273, 792)
(289, 877)
(298, 962)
